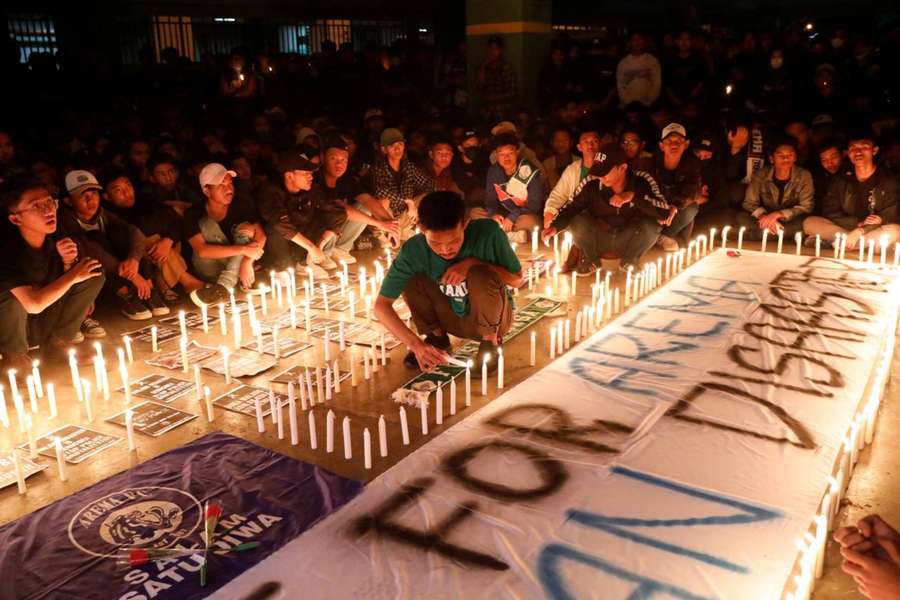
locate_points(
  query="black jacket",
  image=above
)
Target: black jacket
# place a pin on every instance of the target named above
(648, 201)
(848, 197)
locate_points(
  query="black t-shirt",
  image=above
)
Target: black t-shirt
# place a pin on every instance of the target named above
(21, 265)
(241, 210)
(780, 184)
(346, 188)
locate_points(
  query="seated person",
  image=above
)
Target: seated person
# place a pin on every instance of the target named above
(573, 175)
(831, 163)
(165, 186)
(779, 196)
(344, 189)
(470, 165)
(678, 174)
(300, 224)
(871, 552)
(632, 141)
(46, 289)
(553, 166)
(455, 277)
(437, 165)
(226, 236)
(860, 203)
(399, 184)
(617, 210)
(118, 245)
(513, 195)
(161, 226)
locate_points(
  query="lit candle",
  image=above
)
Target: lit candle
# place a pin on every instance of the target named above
(552, 342)
(533, 348)
(182, 324)
(123, 375)
(51, 399)
(353, 381)
(336, 374)
(60, 458)
(484, 374)
(29, 428)
(223, 324)
(20, 472)
(328, 382)
(573, 287)
(348, 445)
(712, 239)
(366, 365)
(628, 287)
(86, 392)
(367, 448)
(423, 416)
(184, 355)
(325, 297)
(313, 440)
(500, 368)
(301, 388)
(154, 338)
(351, 304)
(404, 426)
(263, 301)
(884, 244)
(329, 432)
(204, 313)
(534, 240)
(210, 414)
(292, 414)
(260, 422)
(725, 231)
(382, 437)
(780, 239)
(668, 265)
(578, 318)
(73, 369)
(320, 386)
(439, 405)
(32, 396)
(198, 384)
(4, 414)
(469, 383)
(259, 340)
(225, 364)
(453, 396)
(309, 387)
(129, 428)
(559, 338)
(765, 240)
(740, 245)
(818, 245)
(272, 414)
(279, 418)
(862, 249)
(372, 358)
(342, 344)
(871, 251)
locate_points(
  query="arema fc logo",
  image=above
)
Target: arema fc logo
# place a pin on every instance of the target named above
(143, 517)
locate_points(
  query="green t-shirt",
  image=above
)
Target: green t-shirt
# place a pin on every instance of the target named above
(484, 240)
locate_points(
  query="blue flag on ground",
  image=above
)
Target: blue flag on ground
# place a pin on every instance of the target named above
(68, 549)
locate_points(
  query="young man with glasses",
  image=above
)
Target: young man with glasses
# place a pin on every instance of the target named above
(45, 288)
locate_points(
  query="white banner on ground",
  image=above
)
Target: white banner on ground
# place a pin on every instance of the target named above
(680, 452)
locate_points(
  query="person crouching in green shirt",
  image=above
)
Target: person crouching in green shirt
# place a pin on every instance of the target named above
(455, 277)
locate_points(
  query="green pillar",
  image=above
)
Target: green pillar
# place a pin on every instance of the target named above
(526, 29)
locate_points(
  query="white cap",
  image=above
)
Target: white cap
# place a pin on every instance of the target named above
(673, 128)
(77, 181)
(214, 174)
(504, 126)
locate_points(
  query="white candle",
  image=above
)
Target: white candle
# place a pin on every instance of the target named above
(533, 360)
(578, 318)
(818, 245)
(292, 414)
(301, 388)
(484, 374)
(439, 405)
(279, 418)
(712, 239)
(884, 244)
(367, 448)
(263, 301)
(328, 395)
(573, 287)
(313, 440)
(740, 245)
(207, 396)
(552, 342)
(423, 417)
(559, 337)
(897, 254)
(798, 241)
(628, 287)
(259, 340)
(353, 380)
(469, 383)
(184, 355)
(73, 369)
(329, 432)
(404, 426)
(372, 358)
(204, 313)
(225, 364)
(366, 365)
(309, 387)
(320, 386)
(198, 384)
(29, 428)
(51, 399)
(325, 297)
(336, 376)
(499, 368)
(293, 312)
(534, 240)
(86, 392)
(453, 396)
(32, 395)
(765, 240)
(382, 437)
(780, 239)
(4, 413)
(123, 375)
(20, 472)
(348, 445)
(272, 414)
(725, 231)
(129, 428)
(862, 249)
(260, 422)
(223, 324)
(60, 458)
(182, 324)
(871, 251)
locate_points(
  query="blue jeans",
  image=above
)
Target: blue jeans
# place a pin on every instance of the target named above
(224, 271)
(682, 221)
(352, 230)
(629, 241)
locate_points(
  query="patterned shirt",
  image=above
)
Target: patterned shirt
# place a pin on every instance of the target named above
(400, 186)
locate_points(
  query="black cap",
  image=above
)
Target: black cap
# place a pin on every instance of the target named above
(610, 155)
(334, 141)
(296, 160)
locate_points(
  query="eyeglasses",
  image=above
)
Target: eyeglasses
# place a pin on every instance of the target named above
(45, 206)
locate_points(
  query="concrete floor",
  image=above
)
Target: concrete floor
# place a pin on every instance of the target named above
(870, 489)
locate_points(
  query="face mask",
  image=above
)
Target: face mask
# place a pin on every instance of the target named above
(471, 153)
(776, 63)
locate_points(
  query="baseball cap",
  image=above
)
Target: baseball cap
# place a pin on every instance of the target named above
(296, 160)
(214, 174)
(391, 135)
(705, 142)
(610, 155)
(78, 181)
(504, 126)
(673, 128)
(334, 141)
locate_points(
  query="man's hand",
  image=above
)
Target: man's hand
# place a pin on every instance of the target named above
(871, 220)
(620, 200)
(128, 268)
(504, 223)
(549, 218)
(159, 251)
(673, 210)
(877, 578)
(86, 268)
(316, 254)
(770, 221)
(853, 238)
(143, 286)
(246, 274)
(738, 139)
(456, 274)
(67, 250)
(862, 538)
(547, 233)
(252, 250)
(428, 356)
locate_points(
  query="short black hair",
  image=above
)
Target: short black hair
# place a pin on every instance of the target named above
(441, 211)
(13, 191)
(111, 174)
(828, 144)
(440, 139)
(161, 158)
(782, 140)
(504, 139)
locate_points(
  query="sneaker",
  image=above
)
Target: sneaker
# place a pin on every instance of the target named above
(79, 337)
(517, 237)
(327, 264)
(91, 329)
(585, 267)
(573, 260)
(170, 296)
(210, 294)
(624, 266)
(156, 305)
(441, 342)
(486, 348)
(342, 255)
(317, 271)
(667, 244)
(365, 242)
(133, 308)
